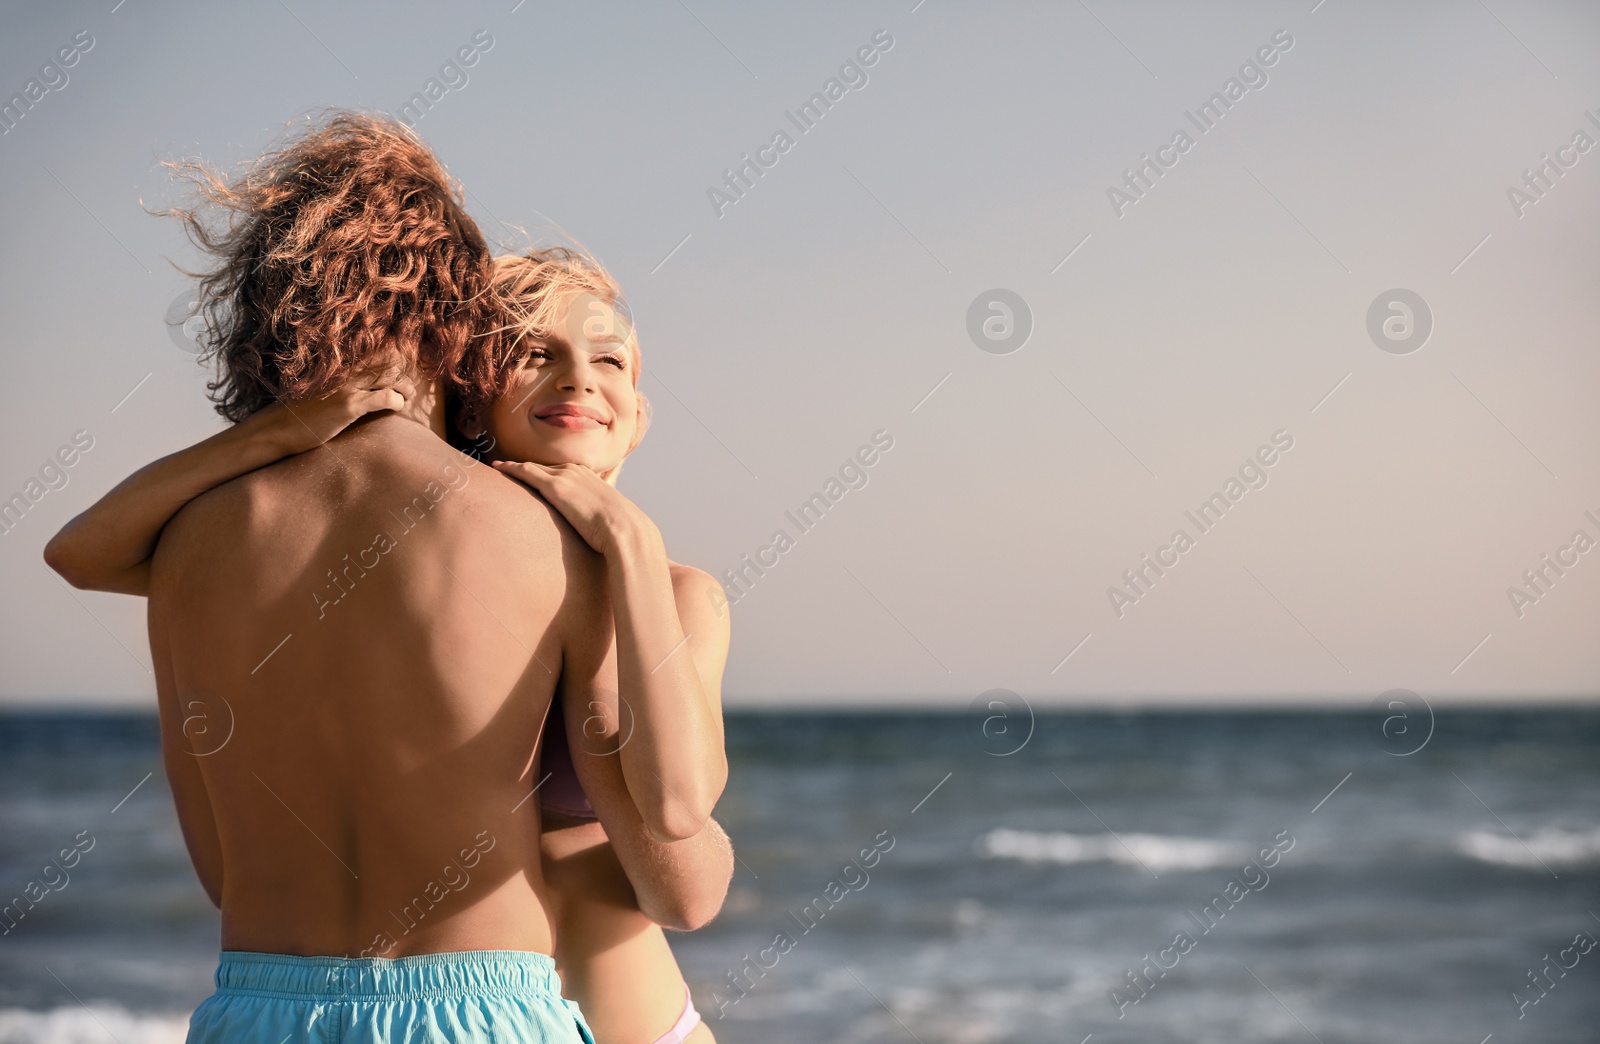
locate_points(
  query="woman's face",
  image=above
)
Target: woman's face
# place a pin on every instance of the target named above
(573, 401)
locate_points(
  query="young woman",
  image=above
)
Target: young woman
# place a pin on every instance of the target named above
(566, 412)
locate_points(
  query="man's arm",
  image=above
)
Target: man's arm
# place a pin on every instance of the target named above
(108, 546)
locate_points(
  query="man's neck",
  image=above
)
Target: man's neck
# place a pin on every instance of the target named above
(426, 408)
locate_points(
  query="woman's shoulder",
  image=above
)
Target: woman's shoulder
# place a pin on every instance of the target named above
(698, 594)
(688, 576)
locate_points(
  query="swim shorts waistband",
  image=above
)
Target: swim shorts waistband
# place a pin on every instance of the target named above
(466, 973)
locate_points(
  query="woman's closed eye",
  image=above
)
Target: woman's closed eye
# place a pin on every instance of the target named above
(619, 361)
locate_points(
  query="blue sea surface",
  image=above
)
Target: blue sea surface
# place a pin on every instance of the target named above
(1105, 878)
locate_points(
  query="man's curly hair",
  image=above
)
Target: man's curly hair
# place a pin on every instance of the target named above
(340, 253)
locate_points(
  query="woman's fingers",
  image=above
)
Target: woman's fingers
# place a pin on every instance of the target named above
(575, 490)
(546, 480)
(532, 474)
(406, 388)
(379, 399)
(308, 423)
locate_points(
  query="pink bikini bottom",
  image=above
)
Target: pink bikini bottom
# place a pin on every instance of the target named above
(686, 1022)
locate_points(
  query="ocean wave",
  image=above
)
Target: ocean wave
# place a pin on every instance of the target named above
(1158, 852)
(89, 1025)
(1545, 847)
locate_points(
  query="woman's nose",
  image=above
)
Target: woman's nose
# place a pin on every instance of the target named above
(577, 377)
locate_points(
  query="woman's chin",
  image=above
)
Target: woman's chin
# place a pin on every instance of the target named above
(550, 458)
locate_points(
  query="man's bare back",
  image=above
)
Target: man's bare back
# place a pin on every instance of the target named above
(355, 652)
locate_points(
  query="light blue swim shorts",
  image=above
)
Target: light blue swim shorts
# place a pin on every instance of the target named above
(493, 996)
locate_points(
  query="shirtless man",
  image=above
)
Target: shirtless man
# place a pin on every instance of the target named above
(356, 647)
(371, 755)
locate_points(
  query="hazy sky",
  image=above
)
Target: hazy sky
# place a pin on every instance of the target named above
(1175, 327)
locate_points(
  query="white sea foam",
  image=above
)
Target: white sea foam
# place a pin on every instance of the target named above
(1545, 847)
(1158, 852)
(89, 1025)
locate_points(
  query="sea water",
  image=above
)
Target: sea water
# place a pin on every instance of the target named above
(1149, 878)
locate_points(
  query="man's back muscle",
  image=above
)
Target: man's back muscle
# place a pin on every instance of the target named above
(355, 651)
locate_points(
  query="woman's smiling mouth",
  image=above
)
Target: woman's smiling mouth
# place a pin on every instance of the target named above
(570, 416)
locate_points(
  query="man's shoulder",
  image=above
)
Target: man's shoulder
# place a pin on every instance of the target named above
(386, 466)
(398, 463)
(391, 459)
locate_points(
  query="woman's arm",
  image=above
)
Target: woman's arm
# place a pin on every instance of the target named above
(674, 758)
(678, 884)
(669, 719)
(108, 546)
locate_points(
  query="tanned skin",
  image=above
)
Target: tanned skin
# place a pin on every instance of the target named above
(357, 754)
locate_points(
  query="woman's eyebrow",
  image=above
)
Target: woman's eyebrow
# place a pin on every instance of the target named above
(548, 340)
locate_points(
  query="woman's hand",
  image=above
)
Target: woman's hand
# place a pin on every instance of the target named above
(594, 507)
(307, 425)
(673, 762)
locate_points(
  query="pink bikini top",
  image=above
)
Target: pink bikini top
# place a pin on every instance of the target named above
(561, 792)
